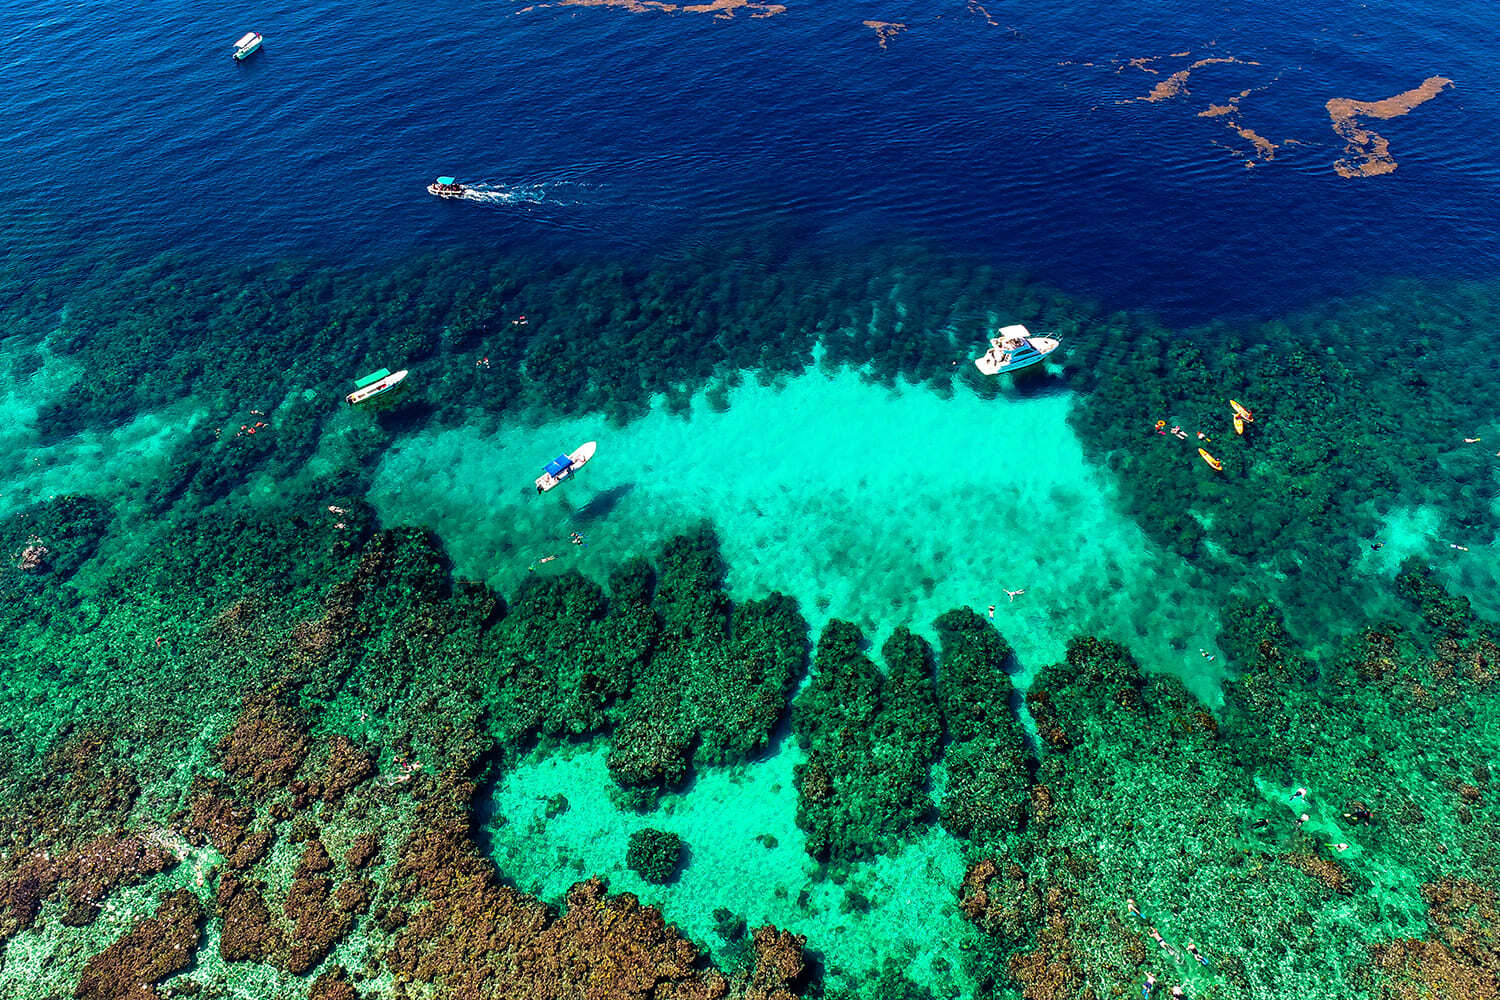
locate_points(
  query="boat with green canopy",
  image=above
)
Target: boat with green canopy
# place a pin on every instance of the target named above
(374, 384)
(247, 45)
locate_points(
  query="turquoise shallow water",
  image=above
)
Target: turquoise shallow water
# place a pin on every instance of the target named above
(745, 854)
(880, 506)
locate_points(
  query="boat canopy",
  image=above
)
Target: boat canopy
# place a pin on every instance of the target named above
(559, 465)
(250, 36)
(446, 180)
(372, 377)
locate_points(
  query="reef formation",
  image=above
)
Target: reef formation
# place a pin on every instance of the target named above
(245, 740)
(1335, 812)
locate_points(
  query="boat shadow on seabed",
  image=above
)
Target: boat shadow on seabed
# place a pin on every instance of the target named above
(602, 505)
(1030, 383)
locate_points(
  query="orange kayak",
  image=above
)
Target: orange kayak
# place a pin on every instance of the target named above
(1241, 412)
(1218, 465)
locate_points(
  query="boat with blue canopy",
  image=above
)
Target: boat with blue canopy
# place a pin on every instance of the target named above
(446, 187)
(1014, 348)
(563, 466)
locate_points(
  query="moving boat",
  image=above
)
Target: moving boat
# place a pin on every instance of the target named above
(563, 466)
(250, 43)
(446, 187)
(374, 384)
(1014, 348)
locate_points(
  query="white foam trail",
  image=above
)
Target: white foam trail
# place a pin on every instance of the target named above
(540, 193)
(495, 194)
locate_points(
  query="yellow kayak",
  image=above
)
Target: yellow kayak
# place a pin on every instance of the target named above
(1239, 424)
(1218, 465)
(1241, 412)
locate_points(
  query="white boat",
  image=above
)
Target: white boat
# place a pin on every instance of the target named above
(563, 466)
(374, 384)
(248, 44)
(1012, 349)
(446, 187)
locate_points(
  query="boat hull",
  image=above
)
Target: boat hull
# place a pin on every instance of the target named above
(547, 482)
(246, 51)
(441, 192)
(369, 392)
(1035, 352)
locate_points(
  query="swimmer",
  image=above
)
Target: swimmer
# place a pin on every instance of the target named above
(1193, 950)
(1134, 910)
(1162, 943)
(1341, 848)
(1461, 548)
(1301, 819)
(992, 611)
(1300, 793)
(1013, 594)
(1177, 991)
(1204, 437)
(1471, 440)
(1148, 986)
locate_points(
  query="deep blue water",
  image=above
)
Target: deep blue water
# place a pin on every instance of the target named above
(136, 131)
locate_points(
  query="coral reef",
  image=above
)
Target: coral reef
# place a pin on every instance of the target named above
(871, 738)
(314, 706)
(151, 951)
(654, 855)
(717, 681)
(988, 765)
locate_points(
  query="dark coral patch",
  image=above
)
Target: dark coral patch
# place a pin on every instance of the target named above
(151, 951)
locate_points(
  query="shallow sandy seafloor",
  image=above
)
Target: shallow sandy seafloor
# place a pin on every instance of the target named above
(745, 854)
(880, 506)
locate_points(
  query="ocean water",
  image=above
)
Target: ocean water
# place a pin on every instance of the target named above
(750, 250)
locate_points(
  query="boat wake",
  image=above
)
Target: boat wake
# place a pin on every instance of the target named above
(512, 194)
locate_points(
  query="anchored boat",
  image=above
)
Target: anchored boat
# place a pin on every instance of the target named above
(563, 466)
(374, 384)
(1014, 348)
(446, 187)
(245, 46)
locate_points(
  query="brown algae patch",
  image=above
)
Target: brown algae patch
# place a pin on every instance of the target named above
(1176, 84)
(885, 30)
(723, 9)
(1369, 152)
(976, 8)
(1263, 149)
